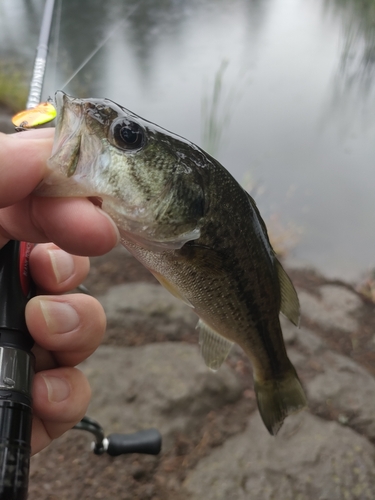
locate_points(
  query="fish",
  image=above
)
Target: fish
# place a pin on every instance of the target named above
(189, 222)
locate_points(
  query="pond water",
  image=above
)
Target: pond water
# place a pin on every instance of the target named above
(294, 115)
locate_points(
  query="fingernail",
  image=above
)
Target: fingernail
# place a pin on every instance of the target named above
(58, 389)
(60, 317)
(112, 222)
(62, 264)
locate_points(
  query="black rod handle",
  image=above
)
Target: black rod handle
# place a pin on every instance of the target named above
(148, 442)
(16, 371)
(15, 435)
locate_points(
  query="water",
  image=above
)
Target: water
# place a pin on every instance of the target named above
(296, 110)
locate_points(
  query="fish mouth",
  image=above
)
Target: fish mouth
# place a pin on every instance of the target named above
(74, 152)
(68, 147)
(96, 200)
(69, 121)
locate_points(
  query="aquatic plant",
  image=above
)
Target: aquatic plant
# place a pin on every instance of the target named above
(357, 63)
(284, 237)
(217, 109)
(366, 286)
(13, 87)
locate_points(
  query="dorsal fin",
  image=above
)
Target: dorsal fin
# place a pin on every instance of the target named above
(289, 299)
(214, 347)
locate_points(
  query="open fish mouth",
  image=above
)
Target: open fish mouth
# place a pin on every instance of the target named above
(76, 154)
(69, 120)
(67, 143)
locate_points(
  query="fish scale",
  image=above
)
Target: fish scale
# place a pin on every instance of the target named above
(184, 217)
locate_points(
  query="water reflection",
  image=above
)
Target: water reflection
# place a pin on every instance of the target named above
(302, 116)
(151, 21)
(358, 52)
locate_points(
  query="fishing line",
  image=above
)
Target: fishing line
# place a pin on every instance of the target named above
(56, 43)
(39, 114)
(101, 45)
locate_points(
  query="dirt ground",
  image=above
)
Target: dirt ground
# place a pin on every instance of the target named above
(68, 470)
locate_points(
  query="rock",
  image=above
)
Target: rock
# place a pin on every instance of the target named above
(333, 309)
(164, 385)
(302, 338)
(148, 307)
(6, 125)
(338, 387)
(345, 389)
(301, 343)
(309, 459)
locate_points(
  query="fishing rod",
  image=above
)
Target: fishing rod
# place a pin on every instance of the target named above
(36, 85)
(16, 359)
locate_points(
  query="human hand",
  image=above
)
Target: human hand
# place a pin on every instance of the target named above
(66, 328)
(74, 224)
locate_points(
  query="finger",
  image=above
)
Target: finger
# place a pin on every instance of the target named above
(23, 157)
(56, 271)
(44, 360)
(71, 326)
(74, 224)
(60, 400)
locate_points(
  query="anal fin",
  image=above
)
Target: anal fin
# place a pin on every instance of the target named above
(214, 347)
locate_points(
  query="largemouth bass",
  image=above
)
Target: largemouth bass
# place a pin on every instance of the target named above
(183, 216)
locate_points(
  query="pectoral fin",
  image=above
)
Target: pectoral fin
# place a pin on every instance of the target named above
(289, 299)
(214, 347)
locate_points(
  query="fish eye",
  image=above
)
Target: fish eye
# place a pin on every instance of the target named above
(128, 135)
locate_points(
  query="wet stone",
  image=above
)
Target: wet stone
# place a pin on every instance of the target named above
(337, 387)
(345, 390)
(164, 385)
(147, 307)
(309, 459)
(335, 308)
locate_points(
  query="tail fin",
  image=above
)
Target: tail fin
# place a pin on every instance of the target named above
(279, 398)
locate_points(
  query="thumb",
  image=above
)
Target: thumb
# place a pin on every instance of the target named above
(23, 158)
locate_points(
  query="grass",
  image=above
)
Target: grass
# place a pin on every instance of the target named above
(217, 109)
(363, 9)
(367, 286)
(13, 87)
(283, 237)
